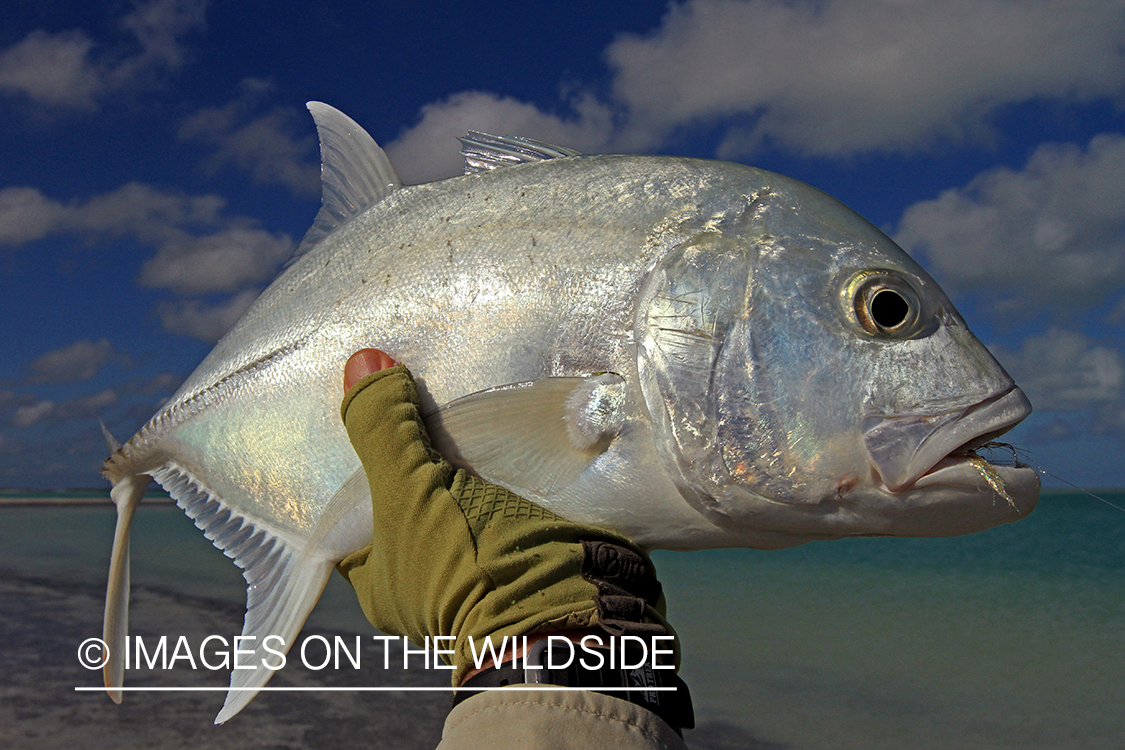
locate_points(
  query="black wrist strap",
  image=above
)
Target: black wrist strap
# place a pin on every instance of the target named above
(660, 691)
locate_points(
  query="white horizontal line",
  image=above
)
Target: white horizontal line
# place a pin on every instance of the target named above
(552, 688)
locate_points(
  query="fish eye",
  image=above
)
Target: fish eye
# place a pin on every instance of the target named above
(889, 309)
(884, 304)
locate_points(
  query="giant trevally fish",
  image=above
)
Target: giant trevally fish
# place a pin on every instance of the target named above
(694, 353)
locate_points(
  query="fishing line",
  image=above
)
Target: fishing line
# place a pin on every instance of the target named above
(1080, 489)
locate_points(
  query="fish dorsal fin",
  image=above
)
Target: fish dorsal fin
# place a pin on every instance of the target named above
(534, 438)
(483, 152)
(355, 173)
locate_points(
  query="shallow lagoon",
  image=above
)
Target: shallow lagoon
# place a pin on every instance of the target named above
(1012, 638)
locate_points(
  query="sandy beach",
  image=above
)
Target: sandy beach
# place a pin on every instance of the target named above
(45, 615)
(42, 621)
(44, 618)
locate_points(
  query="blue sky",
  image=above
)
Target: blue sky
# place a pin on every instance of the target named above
(159, 166)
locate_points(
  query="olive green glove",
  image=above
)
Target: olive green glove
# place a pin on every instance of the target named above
(453, 555)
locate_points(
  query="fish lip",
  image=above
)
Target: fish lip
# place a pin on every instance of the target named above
(1020, 485)
(953, 436)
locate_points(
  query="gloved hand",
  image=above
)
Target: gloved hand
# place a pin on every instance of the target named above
(453, 555)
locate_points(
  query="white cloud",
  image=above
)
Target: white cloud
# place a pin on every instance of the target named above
(81, 360)
(1111, 420)
(203, 321)
(827, 77)
(133, 210)
(220, 262)
(1054, 231)
(144, 212)
(430, 151)
(52, 69)
(1054, 430)
(87, 406)
(199, 249)
(27, 215)
(843, 76)
(61, 69)
(264, 145)
(82, 407)
(26, 416)
(158, 26)
(1062, 370)
(164, 382)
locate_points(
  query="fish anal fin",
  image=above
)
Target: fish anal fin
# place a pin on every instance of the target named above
(535, 437)
(285, 586)
(284, 576)
(276, 608)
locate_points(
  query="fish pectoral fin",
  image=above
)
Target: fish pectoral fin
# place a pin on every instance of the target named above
(536, 437)
(126, 493)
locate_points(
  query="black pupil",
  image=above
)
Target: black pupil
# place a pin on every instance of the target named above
(889, 309)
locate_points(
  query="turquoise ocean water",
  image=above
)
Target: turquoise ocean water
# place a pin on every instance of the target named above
(1012, 638)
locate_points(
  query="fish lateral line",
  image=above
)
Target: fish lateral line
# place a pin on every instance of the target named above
(171, 414)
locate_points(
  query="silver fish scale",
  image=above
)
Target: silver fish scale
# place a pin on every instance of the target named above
(474, 282)
(482, 258)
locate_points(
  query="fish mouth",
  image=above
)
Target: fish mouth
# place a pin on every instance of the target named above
(917, 451)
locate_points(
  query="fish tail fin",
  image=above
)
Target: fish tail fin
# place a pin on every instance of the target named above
(126, 493)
